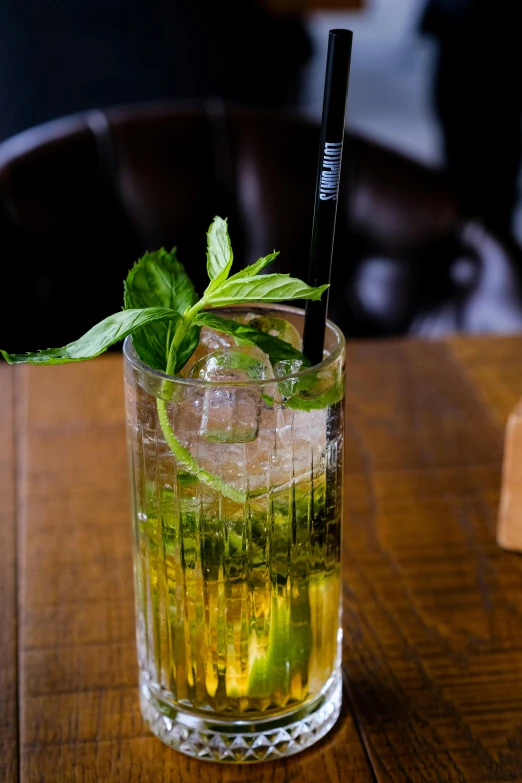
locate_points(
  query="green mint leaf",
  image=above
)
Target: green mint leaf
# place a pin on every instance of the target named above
(254, 269)
(187, 347)
(265, 288)
(219, 253)
(94, 342)
(329, 397)
(157, 280)
(275, 348)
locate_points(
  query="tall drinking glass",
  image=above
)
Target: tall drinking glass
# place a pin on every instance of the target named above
(236, 514)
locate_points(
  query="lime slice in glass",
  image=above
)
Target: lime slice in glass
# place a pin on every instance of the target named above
(270, 668)
(282, 667)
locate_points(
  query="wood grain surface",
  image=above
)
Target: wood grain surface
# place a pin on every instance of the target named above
(432, 607)
(8, 611)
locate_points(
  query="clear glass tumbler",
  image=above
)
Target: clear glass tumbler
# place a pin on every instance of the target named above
(236, 513)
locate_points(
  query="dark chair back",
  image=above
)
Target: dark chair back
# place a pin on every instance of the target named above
(83, 197)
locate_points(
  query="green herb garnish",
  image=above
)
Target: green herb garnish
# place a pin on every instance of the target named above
(164, 315)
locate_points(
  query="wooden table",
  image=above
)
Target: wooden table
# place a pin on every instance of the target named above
(433, 608)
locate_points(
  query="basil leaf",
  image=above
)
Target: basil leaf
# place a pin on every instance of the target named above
(94, 342)
(265, 288)
(254, 269)
(157, 280)
(248, 335)
(219, 253)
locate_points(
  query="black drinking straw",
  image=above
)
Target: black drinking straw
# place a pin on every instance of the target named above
(327, 187)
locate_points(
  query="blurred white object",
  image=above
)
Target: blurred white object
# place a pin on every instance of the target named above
(490, 299)
(389, 99)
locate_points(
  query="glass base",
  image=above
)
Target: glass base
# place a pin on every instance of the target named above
(215, 738)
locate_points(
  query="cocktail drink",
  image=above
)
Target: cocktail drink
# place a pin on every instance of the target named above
(235, 450)
(237, 579)
(235, 436)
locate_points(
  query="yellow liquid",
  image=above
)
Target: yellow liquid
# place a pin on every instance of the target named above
(239, 614)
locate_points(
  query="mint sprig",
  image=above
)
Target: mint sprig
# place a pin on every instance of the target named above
(98, 339)
(165, 316)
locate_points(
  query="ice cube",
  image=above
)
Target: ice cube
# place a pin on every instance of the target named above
(287, 367)
(273, 325)
(237, 364)
(231, 412)
(319, 383)
(209, 341)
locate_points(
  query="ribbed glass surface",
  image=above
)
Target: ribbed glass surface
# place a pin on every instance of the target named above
(237, 602)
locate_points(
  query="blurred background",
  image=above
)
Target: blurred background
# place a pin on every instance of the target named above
(440, 81)
(103, 104)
